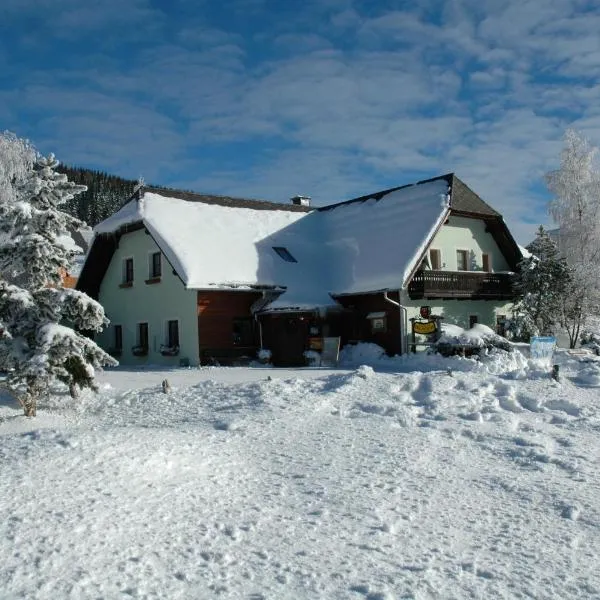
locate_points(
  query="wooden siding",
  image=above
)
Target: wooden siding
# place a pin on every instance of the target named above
(216, 313)
(357, 327)
(288, 335)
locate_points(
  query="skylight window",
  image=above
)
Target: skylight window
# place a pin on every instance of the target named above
(284, 253)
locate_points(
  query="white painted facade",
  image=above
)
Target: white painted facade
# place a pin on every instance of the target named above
(151, 303)
(462, 233)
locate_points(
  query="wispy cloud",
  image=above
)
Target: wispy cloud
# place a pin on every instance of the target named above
(332, 98)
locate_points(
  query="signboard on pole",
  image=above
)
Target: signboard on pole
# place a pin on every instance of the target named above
(542, 348)
(330, 351)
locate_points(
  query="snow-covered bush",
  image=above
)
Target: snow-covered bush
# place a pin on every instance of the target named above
(363, 353)
(312, 357)
(590, 334)
(264, 355)
(39, 319)
(456, 340)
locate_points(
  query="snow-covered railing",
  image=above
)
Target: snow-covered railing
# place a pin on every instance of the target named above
(461, 284)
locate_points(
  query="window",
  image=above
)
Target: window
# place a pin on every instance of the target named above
(435, 259)
(378, 325)
(473, 320)
(501, 325)
(284, 253)
(155, 266)
(128, 270)
(141, 342)
(173, 334)
(118, 341)
(378, 322)
(243, 332)
(487, 263)
(462, 260)
(142, 335)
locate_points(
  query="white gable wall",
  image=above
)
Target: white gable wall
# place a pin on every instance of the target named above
(462, 233)
(154, 304)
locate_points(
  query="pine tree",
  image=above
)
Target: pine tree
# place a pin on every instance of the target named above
(39, 319)
(105, 194)
(543, 282)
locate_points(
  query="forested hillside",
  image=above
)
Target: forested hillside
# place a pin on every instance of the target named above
(105, 194)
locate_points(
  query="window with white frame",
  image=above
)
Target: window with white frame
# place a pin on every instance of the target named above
(462, 260)
(378, 321)
(435, 259)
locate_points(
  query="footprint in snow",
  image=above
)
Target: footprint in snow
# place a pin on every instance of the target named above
(423, 394)
(564, 406)
(570, 512)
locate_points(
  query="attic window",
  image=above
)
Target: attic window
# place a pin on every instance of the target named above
(284, 253)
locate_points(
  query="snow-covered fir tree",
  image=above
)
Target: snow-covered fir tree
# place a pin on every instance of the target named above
(543, 282)
(40, 320)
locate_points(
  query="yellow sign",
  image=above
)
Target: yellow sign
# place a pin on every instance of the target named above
(424, 328)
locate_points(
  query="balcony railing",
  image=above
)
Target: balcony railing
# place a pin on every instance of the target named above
(461, 284)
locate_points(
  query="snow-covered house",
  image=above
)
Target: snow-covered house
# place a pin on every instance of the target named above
(189, 278)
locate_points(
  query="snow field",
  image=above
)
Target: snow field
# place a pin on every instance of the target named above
(480, 482)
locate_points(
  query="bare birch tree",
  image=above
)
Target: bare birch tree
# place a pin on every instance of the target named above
(575, 208)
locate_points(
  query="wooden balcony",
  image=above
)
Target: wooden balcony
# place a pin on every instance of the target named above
(464, 285)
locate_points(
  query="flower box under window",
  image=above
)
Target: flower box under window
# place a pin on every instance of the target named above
(140, 351)
(169, 350)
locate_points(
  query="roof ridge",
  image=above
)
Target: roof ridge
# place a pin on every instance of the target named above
(222, 200)
(379, 195)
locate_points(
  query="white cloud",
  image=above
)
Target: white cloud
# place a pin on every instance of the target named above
(344, 99)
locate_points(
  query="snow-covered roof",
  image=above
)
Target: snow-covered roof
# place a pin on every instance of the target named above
(369, 244)
(208, 245)
(375, 244)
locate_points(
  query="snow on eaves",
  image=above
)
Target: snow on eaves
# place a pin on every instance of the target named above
(126, 215)
(355, 247)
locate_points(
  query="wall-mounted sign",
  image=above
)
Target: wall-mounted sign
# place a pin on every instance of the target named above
(425, 312)
(424, 328)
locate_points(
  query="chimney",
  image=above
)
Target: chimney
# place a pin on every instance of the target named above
(301, 200)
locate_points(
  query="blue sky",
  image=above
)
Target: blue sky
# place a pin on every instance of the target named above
(327, 98)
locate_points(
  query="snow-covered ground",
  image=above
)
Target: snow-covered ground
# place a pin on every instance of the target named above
(403, 481)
